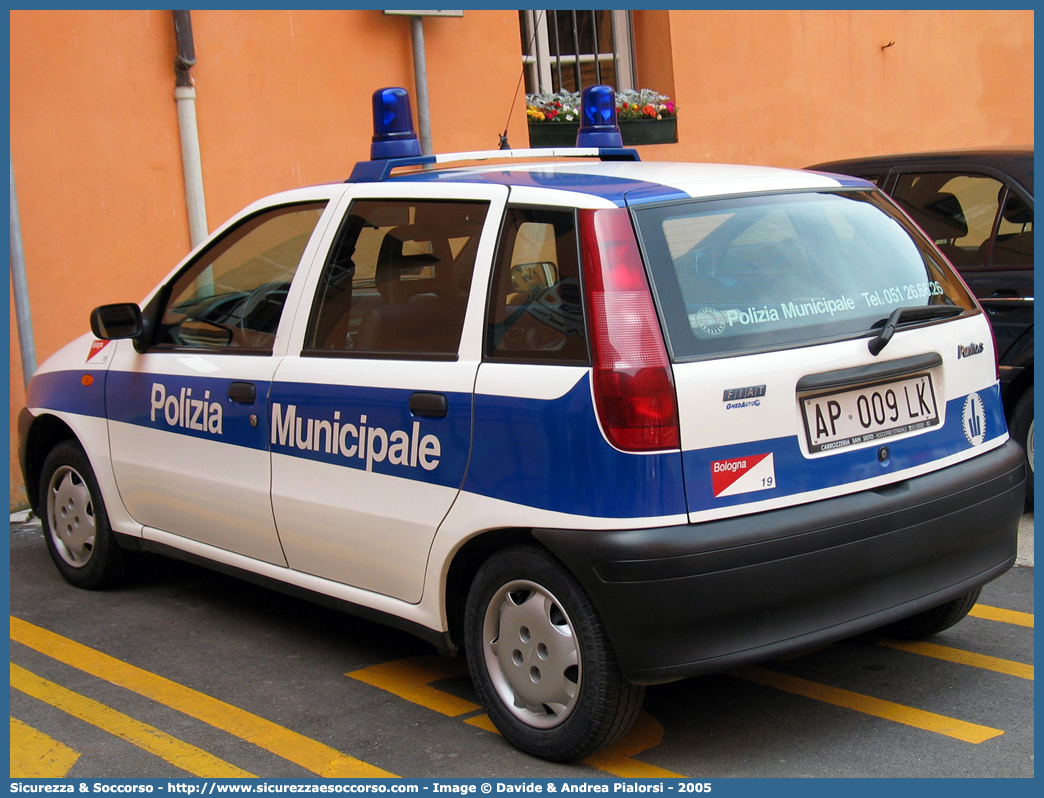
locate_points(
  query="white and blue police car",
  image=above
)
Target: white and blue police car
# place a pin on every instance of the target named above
(595, 423)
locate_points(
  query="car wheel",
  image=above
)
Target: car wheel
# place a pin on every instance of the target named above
(75, 524)
(935, 620)
(540, 658)
(1022, 431)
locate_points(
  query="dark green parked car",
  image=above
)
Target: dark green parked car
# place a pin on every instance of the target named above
(977, 205)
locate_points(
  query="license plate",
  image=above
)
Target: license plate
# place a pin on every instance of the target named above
(869, 413)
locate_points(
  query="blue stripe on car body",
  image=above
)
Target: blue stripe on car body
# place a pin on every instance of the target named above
(515, 444)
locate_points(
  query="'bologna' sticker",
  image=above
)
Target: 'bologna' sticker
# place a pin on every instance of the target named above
(743, 475)
(96, 347)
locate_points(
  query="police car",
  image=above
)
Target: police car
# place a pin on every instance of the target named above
(593, 423)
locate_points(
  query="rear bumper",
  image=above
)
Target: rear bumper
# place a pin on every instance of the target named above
(679, 601)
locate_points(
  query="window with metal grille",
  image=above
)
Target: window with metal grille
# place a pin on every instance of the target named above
(568, 50)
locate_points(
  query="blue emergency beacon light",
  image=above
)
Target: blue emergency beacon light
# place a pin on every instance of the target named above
(393, 134)
(598, 127)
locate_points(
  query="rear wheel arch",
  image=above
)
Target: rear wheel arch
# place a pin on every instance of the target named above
(465, 564)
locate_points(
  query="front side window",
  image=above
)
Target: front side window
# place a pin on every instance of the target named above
(767, 272)
(231, 296)
(397, 280)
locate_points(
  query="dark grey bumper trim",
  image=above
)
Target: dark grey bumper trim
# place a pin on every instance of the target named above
(679, 601)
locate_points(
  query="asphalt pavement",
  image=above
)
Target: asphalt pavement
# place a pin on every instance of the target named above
(1026, 541)
(121, 683)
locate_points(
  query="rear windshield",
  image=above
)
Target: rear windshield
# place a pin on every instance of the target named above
(766, 272)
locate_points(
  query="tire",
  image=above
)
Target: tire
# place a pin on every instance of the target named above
(75, 524)
(1021, 429)
(937, 619)
(541, 660)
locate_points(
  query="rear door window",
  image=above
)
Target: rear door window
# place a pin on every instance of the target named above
(397, 280)
(776, 271)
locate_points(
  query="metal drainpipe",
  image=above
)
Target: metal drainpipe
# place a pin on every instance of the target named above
(20, 288)
(420, 71)
(185, 96)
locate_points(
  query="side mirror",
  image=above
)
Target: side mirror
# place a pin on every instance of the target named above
(122, 320)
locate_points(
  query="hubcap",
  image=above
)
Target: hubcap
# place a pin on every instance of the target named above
(531, 654)
(70, 515)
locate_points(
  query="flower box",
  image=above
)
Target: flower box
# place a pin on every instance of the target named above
(633, 131)
(644, 116)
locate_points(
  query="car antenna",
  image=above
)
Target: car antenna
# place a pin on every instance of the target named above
(504, 136)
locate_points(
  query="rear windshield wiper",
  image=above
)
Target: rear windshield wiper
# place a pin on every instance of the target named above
(913, 313)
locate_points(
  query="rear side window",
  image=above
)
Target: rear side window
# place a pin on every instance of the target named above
(535, 309)
(773, 271)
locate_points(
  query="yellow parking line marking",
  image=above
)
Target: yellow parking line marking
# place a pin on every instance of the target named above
(410, 678)
(310, 754)
(483, 722)
(618, 760)
(983, 661)
(1004, 616)
(179, 753)
(918, 718)
(35, 755)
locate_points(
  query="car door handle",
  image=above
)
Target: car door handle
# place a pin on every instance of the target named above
(242, 393)
(429, 405)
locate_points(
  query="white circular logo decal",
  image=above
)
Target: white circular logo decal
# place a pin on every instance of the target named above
(711, 321)
(974, 419)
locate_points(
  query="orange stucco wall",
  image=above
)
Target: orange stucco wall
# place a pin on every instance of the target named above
(283, 101)
(791, 88)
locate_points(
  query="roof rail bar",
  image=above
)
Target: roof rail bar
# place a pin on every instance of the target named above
(380, 169)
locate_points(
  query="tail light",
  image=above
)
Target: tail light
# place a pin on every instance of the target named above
(633, 383)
